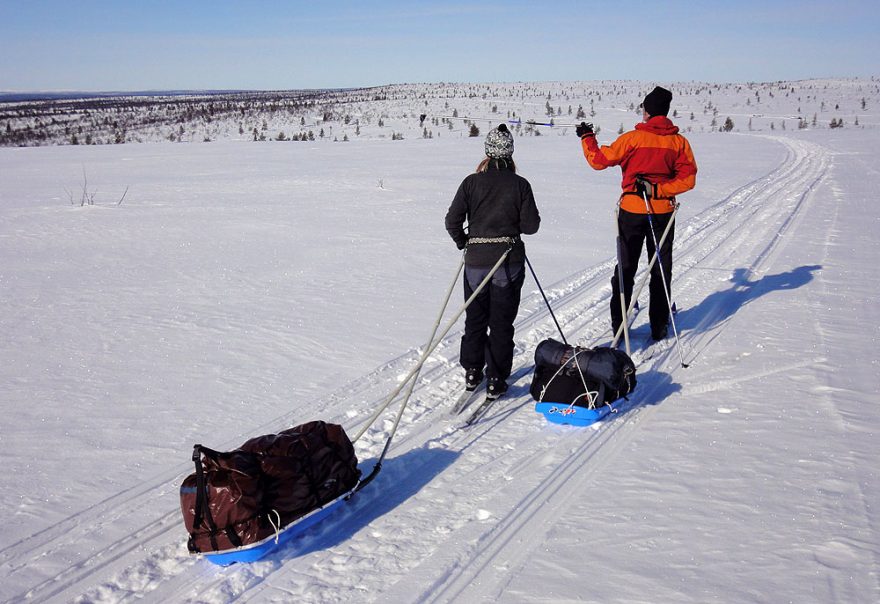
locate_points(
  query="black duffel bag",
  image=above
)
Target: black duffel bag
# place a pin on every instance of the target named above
(589, 377)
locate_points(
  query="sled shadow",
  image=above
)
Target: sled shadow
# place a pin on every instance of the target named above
(652, 389)
(400, 478)
(720, 306)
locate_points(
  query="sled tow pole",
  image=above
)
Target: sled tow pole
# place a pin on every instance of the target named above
(412, 376)
(546, 301)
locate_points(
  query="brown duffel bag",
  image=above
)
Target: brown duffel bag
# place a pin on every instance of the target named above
(243, 496)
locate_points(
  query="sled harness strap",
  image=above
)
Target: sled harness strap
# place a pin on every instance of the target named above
(509, 240)
(639, 195)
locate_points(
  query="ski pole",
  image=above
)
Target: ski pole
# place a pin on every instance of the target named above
(546, 301)
(637, 292)
(515, 122)
(663, 277)
(550, 124)
(623, 310)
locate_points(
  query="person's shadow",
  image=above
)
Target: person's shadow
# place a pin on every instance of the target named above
(721, 305)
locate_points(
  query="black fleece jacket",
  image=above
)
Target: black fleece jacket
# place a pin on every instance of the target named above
(496, 203)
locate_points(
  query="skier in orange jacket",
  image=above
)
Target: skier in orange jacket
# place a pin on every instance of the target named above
(657, 162)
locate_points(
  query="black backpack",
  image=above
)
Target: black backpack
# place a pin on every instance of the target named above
(588, 377)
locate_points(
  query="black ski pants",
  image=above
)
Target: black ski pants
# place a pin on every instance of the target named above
(634, 229)
(488, 324)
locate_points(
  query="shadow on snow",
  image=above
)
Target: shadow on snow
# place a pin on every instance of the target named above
(405, 475)
(401, 477)
(652, 388)
(721, 305)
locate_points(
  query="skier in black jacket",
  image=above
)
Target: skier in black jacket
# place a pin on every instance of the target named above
(498, 205)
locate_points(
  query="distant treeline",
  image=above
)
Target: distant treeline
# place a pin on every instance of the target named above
(28, 119)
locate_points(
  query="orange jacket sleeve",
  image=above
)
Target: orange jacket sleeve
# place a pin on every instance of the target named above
(600, 158)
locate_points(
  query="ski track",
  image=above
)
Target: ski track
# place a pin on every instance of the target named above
(115, 551)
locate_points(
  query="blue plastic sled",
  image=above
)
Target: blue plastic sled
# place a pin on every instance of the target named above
(563, 413)
(256, 551)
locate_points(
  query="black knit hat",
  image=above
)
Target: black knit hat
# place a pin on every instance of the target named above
(657, 102)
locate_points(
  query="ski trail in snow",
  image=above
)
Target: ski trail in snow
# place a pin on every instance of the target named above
(709, 239)
(469, 575)
(738, 233)
(741, 253)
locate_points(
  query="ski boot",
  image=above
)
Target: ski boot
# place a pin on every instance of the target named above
(495, 387)
(472, 379)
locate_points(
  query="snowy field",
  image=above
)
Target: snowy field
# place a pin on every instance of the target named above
(240, 289)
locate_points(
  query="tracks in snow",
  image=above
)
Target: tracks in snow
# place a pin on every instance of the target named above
(741, 234)
(117, 551)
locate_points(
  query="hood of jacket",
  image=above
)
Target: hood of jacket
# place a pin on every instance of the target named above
(659, 124)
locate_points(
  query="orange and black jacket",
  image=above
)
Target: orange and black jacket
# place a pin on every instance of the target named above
(654, 150)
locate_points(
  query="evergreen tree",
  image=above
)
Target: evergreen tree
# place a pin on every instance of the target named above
(474, 131)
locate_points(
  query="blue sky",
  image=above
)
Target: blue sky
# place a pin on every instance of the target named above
(94, 45)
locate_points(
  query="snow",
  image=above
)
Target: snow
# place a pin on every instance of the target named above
(242, 288)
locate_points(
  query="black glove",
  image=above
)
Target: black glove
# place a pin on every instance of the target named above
(644, 188)
(461, 243)
(584, 129)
